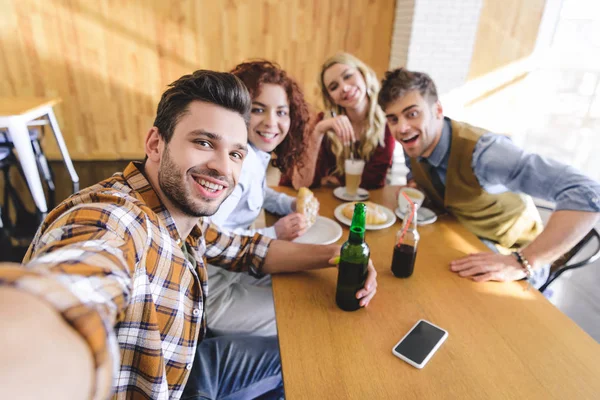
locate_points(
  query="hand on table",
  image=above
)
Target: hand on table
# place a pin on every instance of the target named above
(368, 291)
(291, 226)
(482, 267)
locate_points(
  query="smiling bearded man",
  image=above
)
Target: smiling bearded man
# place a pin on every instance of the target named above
(110, 298)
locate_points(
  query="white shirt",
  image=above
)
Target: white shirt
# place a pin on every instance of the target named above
(239, 211)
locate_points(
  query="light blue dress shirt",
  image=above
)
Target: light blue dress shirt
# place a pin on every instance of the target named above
(239, 211)
(501, 166)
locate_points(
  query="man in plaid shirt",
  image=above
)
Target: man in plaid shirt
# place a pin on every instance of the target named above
(110, 299)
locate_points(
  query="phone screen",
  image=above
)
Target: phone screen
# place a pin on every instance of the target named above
(419, 342)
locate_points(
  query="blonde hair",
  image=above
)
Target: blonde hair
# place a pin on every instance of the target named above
(375, 132)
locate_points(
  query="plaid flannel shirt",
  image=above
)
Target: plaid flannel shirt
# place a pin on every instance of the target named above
(109, 259)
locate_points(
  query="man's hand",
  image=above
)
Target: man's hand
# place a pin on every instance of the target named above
(291, 226)
(482, 267)
(368, 291)
(41, 355)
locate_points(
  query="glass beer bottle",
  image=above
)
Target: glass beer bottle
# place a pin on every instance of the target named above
(354, 260)
(405, 249)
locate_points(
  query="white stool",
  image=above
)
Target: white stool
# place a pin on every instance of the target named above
(15, 114)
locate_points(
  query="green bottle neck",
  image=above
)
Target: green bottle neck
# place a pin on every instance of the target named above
(357, 235)
(357, 228)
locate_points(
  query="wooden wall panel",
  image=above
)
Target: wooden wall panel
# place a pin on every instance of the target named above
(507, 32)
(110, 59)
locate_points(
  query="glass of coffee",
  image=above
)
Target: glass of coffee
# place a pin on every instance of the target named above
(416, 196)
(354, 169)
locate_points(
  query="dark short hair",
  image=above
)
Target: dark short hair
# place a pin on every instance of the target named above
(397, 83)
(219, 88)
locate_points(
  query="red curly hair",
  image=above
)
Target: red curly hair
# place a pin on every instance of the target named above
(254, 74)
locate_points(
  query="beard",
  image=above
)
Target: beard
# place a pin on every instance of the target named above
(172, 182)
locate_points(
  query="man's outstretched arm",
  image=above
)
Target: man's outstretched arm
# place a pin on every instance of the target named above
(59, 309)
(498, 163)
(42, 356)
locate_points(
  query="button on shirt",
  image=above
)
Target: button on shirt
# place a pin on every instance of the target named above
(251, 194)
(108, 260)
(501, 166)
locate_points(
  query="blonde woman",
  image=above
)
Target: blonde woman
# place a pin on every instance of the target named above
(349, 88)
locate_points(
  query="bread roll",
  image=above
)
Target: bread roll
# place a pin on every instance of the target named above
(307, 204)
(375, 215)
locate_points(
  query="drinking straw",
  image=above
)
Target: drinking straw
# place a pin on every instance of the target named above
(412, 211)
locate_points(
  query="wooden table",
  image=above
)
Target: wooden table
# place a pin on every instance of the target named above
(15, 114)
(504, 342)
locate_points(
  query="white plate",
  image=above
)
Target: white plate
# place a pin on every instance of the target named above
(424, 216)
(323, 231)
(391, 218)
(340, 193)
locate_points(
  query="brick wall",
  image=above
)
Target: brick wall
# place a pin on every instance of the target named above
(437, 37)
(405, 10)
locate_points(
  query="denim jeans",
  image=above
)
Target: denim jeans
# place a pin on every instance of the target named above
(236, 367)
(238, 304)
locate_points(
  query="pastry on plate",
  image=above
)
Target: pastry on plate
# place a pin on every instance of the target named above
(307, 204)
(375, 215)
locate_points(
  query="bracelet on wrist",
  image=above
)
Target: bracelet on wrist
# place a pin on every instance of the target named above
(524, 263)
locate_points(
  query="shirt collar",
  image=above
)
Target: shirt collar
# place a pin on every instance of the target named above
(441, 149)
(262, 155)
(134, 175)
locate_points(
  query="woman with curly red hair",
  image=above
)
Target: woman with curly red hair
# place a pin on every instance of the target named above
(238, 303)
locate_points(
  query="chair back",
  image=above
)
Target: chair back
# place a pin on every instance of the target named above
(586, 252)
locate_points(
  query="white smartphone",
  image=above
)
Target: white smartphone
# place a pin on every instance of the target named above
(420, 343)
